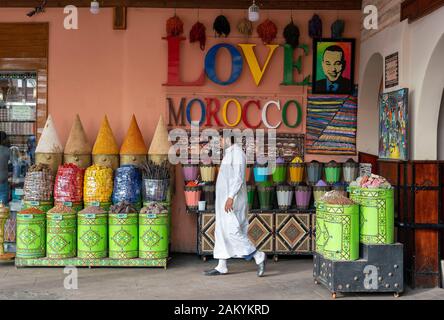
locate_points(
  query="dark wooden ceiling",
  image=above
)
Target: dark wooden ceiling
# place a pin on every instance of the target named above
(222, 4)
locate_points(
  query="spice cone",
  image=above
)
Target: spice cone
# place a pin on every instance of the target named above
(160, 145)
(133, 143)
(49, 141)
(105, 141)
(77, 141)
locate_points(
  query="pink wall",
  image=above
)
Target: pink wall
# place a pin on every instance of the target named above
(97, 70)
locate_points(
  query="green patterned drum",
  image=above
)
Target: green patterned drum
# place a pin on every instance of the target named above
(31, 233)
(44, 206)
(92, 236)
(377, 215)
(153, 235)
(104, 205)
(61, 235)
(337, 231)
(123, 235)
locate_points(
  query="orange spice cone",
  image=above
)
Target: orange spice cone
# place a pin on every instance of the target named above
(105, 141)
(133, 143)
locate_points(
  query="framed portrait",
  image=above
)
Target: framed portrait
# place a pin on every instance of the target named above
(333, 66)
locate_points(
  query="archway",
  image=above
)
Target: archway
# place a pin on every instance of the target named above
(441, 129)
(368, 111)
(427, 141)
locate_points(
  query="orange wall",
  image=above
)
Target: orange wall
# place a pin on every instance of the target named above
(97, 70)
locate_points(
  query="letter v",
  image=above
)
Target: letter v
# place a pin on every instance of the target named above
(253, 64)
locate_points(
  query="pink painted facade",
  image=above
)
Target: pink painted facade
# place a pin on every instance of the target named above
(96, 70)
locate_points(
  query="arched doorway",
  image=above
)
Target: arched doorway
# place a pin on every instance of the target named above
(441, 129)
(368, 111)
(428, 134)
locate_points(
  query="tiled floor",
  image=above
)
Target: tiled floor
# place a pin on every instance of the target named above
(286, 279)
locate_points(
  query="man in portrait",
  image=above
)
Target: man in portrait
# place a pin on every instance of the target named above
(333, 66)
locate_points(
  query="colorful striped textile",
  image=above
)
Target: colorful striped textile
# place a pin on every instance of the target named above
(331, 124)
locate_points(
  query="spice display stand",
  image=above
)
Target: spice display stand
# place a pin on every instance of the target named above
(379, 269)
(77, 262)
(275, 232)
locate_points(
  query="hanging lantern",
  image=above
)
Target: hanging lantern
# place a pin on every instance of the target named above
(267, 31)
(95, 7)
(253, 12)
(221, 26)
(174, 26)
(315, 27)
(197, 33)
(337, 29)
(245, 27)
(291, 34)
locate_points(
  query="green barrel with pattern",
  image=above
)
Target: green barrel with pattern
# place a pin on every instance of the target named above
(377, 216)
(44, 206)
(337, 231)
(104, 205)
(61, 235)
(123, 235)
(153, 235)
(92, 235)
(31, 235)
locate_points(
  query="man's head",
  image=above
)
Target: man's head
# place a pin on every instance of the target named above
(333, 63)
(4, 141)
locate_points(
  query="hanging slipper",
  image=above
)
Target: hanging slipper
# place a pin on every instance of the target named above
(245, 27)
(315, 27)
(292, 34)
(198, 33)
(221, 26)
(267, 31)
(174, 26)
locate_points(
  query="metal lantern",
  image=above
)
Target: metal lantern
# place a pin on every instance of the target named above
(253, 12)
(95, 7)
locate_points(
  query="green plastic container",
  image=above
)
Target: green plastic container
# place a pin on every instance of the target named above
(92, 237)
(153, 235)
(44, 206)
(337, 231)
(76, 206)
(123, 235)
(280, 174)
(377, 214)
(266, 196)
(333, 172)
(104, 205)
(251, 190)
(61, 235)
(31, 235)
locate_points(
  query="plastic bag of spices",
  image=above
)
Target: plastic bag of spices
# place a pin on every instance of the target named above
(68, 185)
(98, 184)
(39, 183)
(127, 184)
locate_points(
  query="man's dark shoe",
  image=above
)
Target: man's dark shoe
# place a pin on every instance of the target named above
(261, 268)
(213, 272)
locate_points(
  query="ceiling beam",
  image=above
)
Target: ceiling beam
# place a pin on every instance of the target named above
(210, 4)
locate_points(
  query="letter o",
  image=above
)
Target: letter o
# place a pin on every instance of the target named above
(239, 112)
(236, 64)
(284, 114)
(202, 108)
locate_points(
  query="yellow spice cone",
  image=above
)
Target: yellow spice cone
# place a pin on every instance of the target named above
(105, 141)
(133, 143)
(160, 145)
(77, 141)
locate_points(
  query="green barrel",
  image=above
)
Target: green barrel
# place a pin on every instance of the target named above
(44, 206)
(61, 235)
(92, 235)
(76, 206)
(280, 174)
(104, 205)
(123, 235)
(153, 235)
(337, 231)
(377, 216)
(31, 235)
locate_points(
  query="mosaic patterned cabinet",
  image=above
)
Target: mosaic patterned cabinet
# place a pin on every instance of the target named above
(276, 233)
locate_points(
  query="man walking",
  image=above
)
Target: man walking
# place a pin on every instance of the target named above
(231, 213)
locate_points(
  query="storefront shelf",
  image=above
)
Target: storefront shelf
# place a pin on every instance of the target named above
(77, 262)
